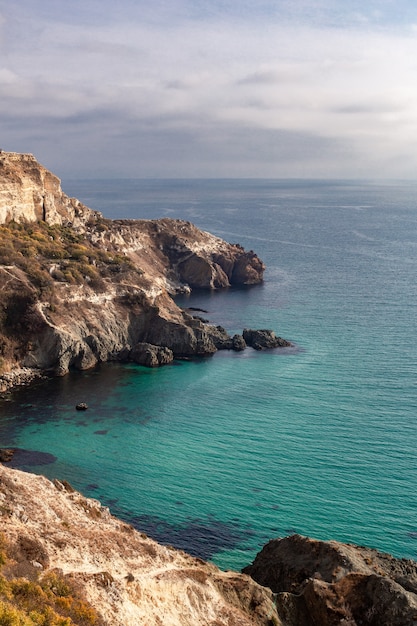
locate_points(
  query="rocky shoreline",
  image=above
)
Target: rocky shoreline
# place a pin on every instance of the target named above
(77, 289)
(19, 377)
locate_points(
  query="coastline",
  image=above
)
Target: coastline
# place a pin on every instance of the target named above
(20, 377)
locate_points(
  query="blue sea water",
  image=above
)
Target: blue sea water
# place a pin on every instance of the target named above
(219, 455)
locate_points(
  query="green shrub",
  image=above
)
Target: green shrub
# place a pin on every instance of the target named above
(10, 616)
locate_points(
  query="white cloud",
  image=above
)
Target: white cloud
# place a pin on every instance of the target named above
(203, 81)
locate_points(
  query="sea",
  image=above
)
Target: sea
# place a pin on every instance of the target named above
(219, 455)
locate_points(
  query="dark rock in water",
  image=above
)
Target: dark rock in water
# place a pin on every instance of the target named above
(81, 406)
(331, 583)
(238, 343)
(150, 355)
(29, 458)
(185, 340)
(221, 338)
(6, 454)
(264, 339)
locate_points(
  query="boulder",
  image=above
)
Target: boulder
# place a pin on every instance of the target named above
(264, 339)
(238, 343)
(221, 338)
(6, 454)
(331, 583)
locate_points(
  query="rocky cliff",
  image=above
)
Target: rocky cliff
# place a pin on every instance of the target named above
(29, 192)
(77, 289)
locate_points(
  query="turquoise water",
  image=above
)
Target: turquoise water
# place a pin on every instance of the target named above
(219, 455)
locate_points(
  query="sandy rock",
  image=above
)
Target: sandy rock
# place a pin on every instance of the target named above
(29, 192)
(128, 578)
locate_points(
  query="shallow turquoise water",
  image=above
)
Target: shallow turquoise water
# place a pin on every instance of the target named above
(218, 456)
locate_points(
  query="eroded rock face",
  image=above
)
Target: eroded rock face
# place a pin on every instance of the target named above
(331, 583)
(128, 578)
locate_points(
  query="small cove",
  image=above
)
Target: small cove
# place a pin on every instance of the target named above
(218, 456)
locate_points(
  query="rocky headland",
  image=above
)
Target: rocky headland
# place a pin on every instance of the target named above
(77, 289)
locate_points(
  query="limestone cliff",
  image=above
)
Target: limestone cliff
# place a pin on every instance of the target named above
(29, 192)
(77, 289)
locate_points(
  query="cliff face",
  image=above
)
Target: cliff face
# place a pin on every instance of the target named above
(77, 289)
(29, 192)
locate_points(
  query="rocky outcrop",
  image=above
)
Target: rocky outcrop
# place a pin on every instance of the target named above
(331, 583)
(18, 377)
(82, 289)
(150, 355)
(51, 532)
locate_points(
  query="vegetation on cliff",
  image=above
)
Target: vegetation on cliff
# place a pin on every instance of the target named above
(36, 256)
(46, 599)
(65, 554)
(51, 252)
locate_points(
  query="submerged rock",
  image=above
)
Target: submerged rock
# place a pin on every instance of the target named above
(29, 458)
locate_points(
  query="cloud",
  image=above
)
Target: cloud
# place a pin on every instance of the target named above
(225, 88)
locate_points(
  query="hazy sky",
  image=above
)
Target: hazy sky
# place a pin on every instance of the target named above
(227, 88)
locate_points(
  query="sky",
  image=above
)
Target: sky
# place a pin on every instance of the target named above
(220, 89)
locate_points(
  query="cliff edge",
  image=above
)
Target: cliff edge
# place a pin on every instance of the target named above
(63, 556)
(336, 584)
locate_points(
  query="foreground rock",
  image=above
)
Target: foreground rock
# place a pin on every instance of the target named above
(51, 532)
(77, 289)
(330, 583)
